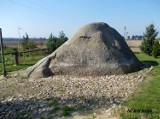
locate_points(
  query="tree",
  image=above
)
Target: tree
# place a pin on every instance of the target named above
(128, 38)
(51, 44)
(24, 41)
(27, 43)
(148, 40)
(156, 49)
(62, 36)
(54, 42)
(61, 39)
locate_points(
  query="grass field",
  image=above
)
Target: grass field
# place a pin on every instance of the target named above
(145, 103)
(26, 60)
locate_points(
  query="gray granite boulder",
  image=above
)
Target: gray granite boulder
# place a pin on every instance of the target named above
(95, 49)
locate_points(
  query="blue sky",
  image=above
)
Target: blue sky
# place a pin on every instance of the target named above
(39, 18)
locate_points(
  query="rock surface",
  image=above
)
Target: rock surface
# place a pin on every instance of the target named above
(95, 49)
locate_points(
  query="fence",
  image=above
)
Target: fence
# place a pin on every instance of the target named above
(25, 59)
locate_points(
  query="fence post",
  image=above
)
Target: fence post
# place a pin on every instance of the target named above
(16, 56)
(2, 55)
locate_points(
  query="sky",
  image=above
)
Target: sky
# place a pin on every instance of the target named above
(40, 18)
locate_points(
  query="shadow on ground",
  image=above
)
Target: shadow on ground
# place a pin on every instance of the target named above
(52, 107)
(150, 63)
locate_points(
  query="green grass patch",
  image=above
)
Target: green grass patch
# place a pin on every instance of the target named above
(145, 103)
(66, 110)
(62, 110)
(24, 77)
(26, 60)
(54, 103)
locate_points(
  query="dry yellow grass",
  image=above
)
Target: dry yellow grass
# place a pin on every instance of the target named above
(134, 45)
(40, 44)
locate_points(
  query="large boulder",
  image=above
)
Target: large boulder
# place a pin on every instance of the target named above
(95, 49)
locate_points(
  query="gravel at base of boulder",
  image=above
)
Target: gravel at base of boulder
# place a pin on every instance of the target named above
(59, 96)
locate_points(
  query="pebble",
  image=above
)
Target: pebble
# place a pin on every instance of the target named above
(33, 97)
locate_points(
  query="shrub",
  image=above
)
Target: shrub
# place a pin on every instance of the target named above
(156, 49)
